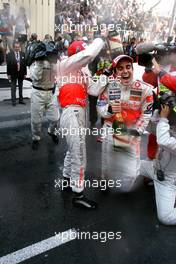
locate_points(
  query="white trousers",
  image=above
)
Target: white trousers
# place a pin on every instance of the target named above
(165, 194)
(122, 163)
(73, 124)
(42, 102)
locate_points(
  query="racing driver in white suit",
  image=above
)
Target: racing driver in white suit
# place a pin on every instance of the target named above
(75, 82)
(126, 106)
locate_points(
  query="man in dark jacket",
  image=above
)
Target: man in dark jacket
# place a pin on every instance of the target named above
(16, 70)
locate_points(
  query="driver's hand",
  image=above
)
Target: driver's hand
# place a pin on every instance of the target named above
(116, 106)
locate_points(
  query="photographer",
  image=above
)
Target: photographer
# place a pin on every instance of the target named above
(164, 62)
(167, 79)
(163, 169)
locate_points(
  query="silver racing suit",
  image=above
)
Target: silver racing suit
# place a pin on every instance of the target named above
(120, 148)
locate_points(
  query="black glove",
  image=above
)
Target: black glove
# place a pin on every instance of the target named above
(110, 109)
(54, 89)
(108, 72)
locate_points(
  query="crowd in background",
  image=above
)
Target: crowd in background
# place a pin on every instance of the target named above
(130, 16)
(132, 21)
(12, 28)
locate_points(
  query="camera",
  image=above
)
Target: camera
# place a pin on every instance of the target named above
(159, 51)
(167, 99)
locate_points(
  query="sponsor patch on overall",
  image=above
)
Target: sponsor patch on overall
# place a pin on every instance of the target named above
(114, 92)
(82, 101)
(149, 99)
(135, 95)
(137, 85)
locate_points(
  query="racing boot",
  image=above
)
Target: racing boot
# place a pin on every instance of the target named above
(35, 144)
(54, 137)
(81, 201)
(66, 185)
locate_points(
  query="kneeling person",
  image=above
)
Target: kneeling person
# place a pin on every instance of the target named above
(126, 106)
(163, 169)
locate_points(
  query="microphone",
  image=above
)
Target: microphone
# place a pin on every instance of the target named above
(144, 48)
